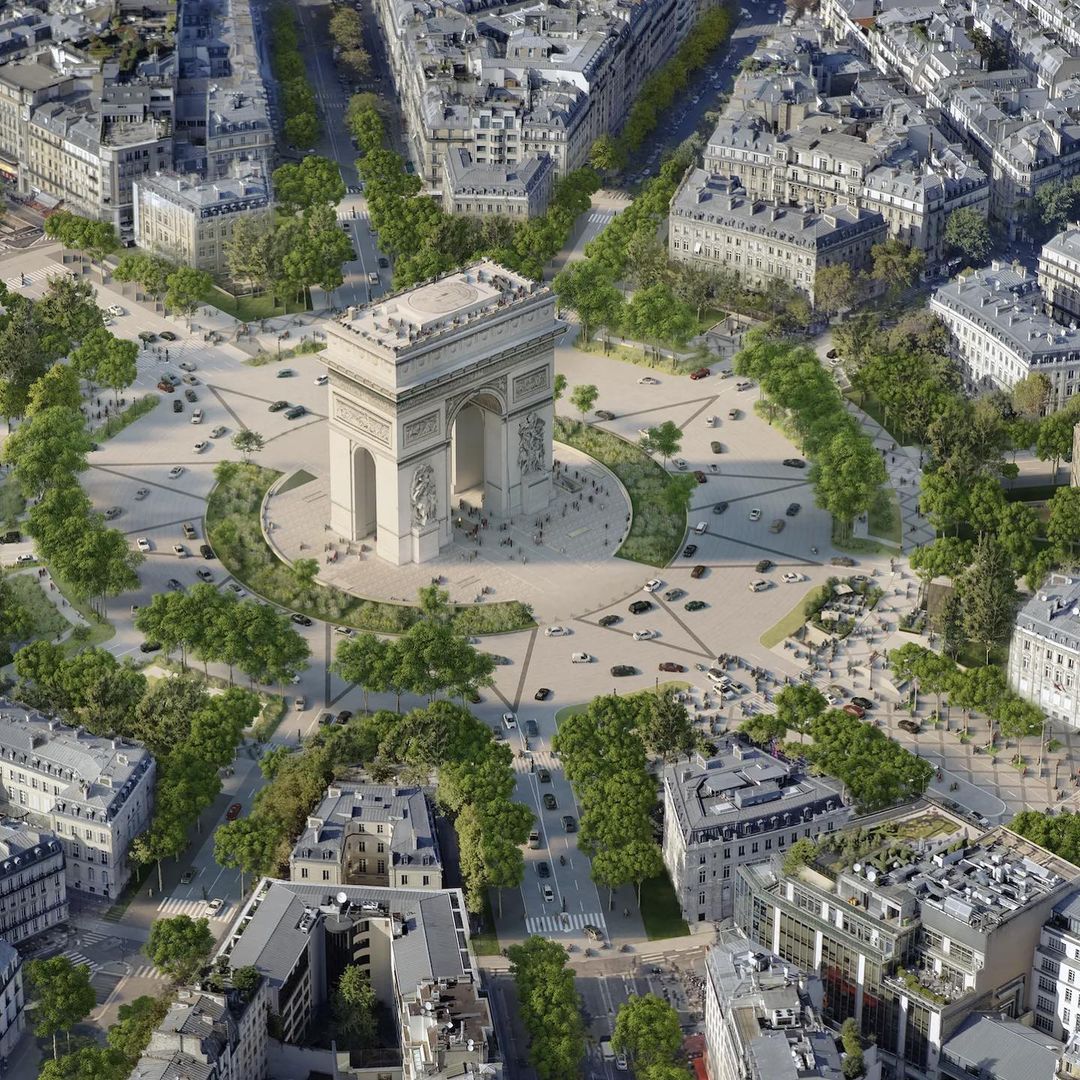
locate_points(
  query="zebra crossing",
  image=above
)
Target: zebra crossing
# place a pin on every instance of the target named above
(600, 217)
(40, 276)
(77, 958)
(565, 923)
(145, 971)
(176, 905)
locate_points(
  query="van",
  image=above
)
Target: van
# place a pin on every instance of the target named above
(701, 527)
(534, 839)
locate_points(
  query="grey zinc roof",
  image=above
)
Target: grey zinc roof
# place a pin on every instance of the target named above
(272, 941)
(467, 177)
(177, 1067)
(1003, 1049)
(1054, 611)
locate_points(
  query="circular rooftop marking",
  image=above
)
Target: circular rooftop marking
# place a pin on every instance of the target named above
(442, 297)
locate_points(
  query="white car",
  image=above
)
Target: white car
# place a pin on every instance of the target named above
(176, 471)
(236, 589)
(758, 585)
(743, 384)
(580, 658)
(712, 421)
(714, 468)
(620, 1063)
(142, 543)
(115, 310)
(651, 585)
(217, 433)
(196, 416)
(509, 721)
(679, 464)
(643, 432)
(555, 631)
(755, 514)
(345, 631)
(200, 446)
(321, 380)
(187, 365)
(791, 577)
(215, 906)
(180, 551)
(648, 380)
(645, 635)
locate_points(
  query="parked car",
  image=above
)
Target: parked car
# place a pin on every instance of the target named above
(191, 396)
(200, 446)
(141, 494)
(716, 447)
(218, 432)
(300, 619)
(648, 380)
(168, 335)
(695, 605)
(777, 525)
(286, 373)
(910, 726)
(166, 387)
(791, 577)
(697, 572)
(755, 514)
(542, 694)
(842, 560)
(863, 703)
(674, 594)
(701, 373)
(295, 412)
(610, 620)
(187, 365)
(206, 551)
(176, 471)
(758, 585)
(143, 543)
(177, 406)
(639, 607)
(180, 551)
(196, 416)
(795, 463)
(689, 551)
(111, 514)
(509, 721)
(720, 507)
(204, 575)
(604, 414)
(699, 476)
(580, 658)
(620, 670)
(762, 566)
(734, 414)
(854, 710)
(278, 406)
(645, 635)
(793, 509)
(670, 665)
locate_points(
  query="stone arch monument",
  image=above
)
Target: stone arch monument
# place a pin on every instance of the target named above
(439, 394)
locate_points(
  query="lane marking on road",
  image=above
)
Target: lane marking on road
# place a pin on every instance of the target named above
(663, 408)
(144, 482)
(227, 407)
(755, 495)
(796, 559)
(329, 654)
(564, 923)
(316, 418)
(679, 622)
(525, 667)
(162, 525)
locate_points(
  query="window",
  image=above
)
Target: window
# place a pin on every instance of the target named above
(326, 875)
(404, 879)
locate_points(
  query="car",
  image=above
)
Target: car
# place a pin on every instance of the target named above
(187, 365)
(170, 377)
(384, 262)
(648, 380)
(862, 702)
(604, 414)
(200, 446)
(842, 560)
(146, 336)
(190, 380)
(670, 665)
(621, 1064)
(12, 536)
(168, 335)
(344, 716)
(621, 670)
(175, 585)
(214, 906)
(755, 514)
(321, 380)
(191, 396)
(204, 575)
(141, 494)
(300, 703)
(712, 421)
(791, 577)
(325, 719)
(763, 565)
(180, 551)
(695, 605)
(580, 658)
(344, 631)
(743, 384)
(110, 515)
(196, 416)
(543, 869)
(549, 801)
(218, 432)
(610, 620)
(555, 631)
(277, 406)
(295, 412)
(233, 812)
(910, 726)
(176, 471)
(679, 464)
(651, 585)
(549, 894)
(115, 310)
(143, 543)
(777, 525)
(716, 447)
(236, 589)
(758, 585)
(149, 646)
(720, 507)
(542, 694)
(593, 933)
(569, 823)
(286, 373)
(187, 877)
(794, 463)
(701, 373)
(206, 551)
(509, 721)
(644, 635)
(697, 572)
(639, 607)
(793, 509)
(734, 414)
(674, 594)
(854, 710)
(177, 406)
(543, 775)
(699, 476)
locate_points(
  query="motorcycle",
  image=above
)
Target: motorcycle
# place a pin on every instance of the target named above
(562, 860)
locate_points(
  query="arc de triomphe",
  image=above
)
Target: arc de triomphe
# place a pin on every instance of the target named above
(437, 394)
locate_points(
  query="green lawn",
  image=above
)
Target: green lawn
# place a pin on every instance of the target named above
(872, 407)
(884, 517)
(660, 909)
(47, 621)
(100, 630)
(790, 622)
(252, 308)
(650, 360)
(487, 942)
(1032, 492)
(860, 545)
(656, 534)
(572, 710)
(115, 424)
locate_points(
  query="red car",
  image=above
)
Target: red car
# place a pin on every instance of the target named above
(854, 710)
(700, 476)
(701, 373)
(233, 812)
(670, 665)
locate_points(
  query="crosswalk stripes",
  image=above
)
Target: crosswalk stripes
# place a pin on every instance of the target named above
(564, 923)
(175, 905)
(601, 217)
(145, 971)
(77, 958)
(38, 276)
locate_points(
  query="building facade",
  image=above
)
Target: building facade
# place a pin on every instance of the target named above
(95, 794)
(12, 1000)
(1059, 276)
(513, 191)
(739, 806)
(33, 885)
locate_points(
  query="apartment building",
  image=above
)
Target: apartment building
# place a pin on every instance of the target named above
(714, 224)
(740, 805)
(95, 794)
(1044, 652)
(12, 1000)
(210, 1035)
(190, 221)
(912, 924)
(414, 945)
(1059, 276)
(33, 886)
(512, 191)
(370, 834)
(1001, 332)
(1055, 969)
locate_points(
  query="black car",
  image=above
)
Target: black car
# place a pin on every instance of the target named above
(620, 670)
(543, 869)
(549, 801)
(863, 703)
(531, 727)
(174, 585)
(150, 646)
(842, 560)
(694, 605)
(542, 694)
(639, 607)
(295, 412)
(300, 620)
(762, 565)
(277, 406)
(689, 551)
(344, 716)
(719, 507)
(610, 620)
(568, 823)
(793, 509)
(384, 262)
(795, 463)
(325, 719)
(167, 335)
(604, 414)
(910, 726)
(206, 551)
(716, 447)
(543, 775)
(191, 396)
(12, 536)
(177, 405)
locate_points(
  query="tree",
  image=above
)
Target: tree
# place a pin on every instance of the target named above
(558, 387)
(353, 1006)
(66, 313)
(1063, 529)
(967, 232)
(23, 360)
(764, 729)
(186, 288)
(1030, 395)
(798, 705)
(248, 442)
(647, 1030)
(1055, 437)
(945, 557)
(136, 1021)
(583, 398)
(149, 271)
(665, 440)
(950, 623)
(988, 591)
(117, 368)
(249, 845)
(895, 264)
(606, 155)
(311, 182)
(48, 449)
(854, 1067)
(834, 287)
(179, 946)
(586, 287)
(666, 728)
(250, 252)
(346, 28)
(57, 388)
(361, 660)
(88, 1063)
(63, 996)
(847, 475)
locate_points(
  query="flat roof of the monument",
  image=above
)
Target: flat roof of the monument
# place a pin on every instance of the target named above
(447, 303)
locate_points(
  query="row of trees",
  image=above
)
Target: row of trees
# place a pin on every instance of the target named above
(1059, 833)
(183, 289)
(301, 125)
(648, 1032)
(97, 238)
(550, 1007)
(604, 750)
(347, 31)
